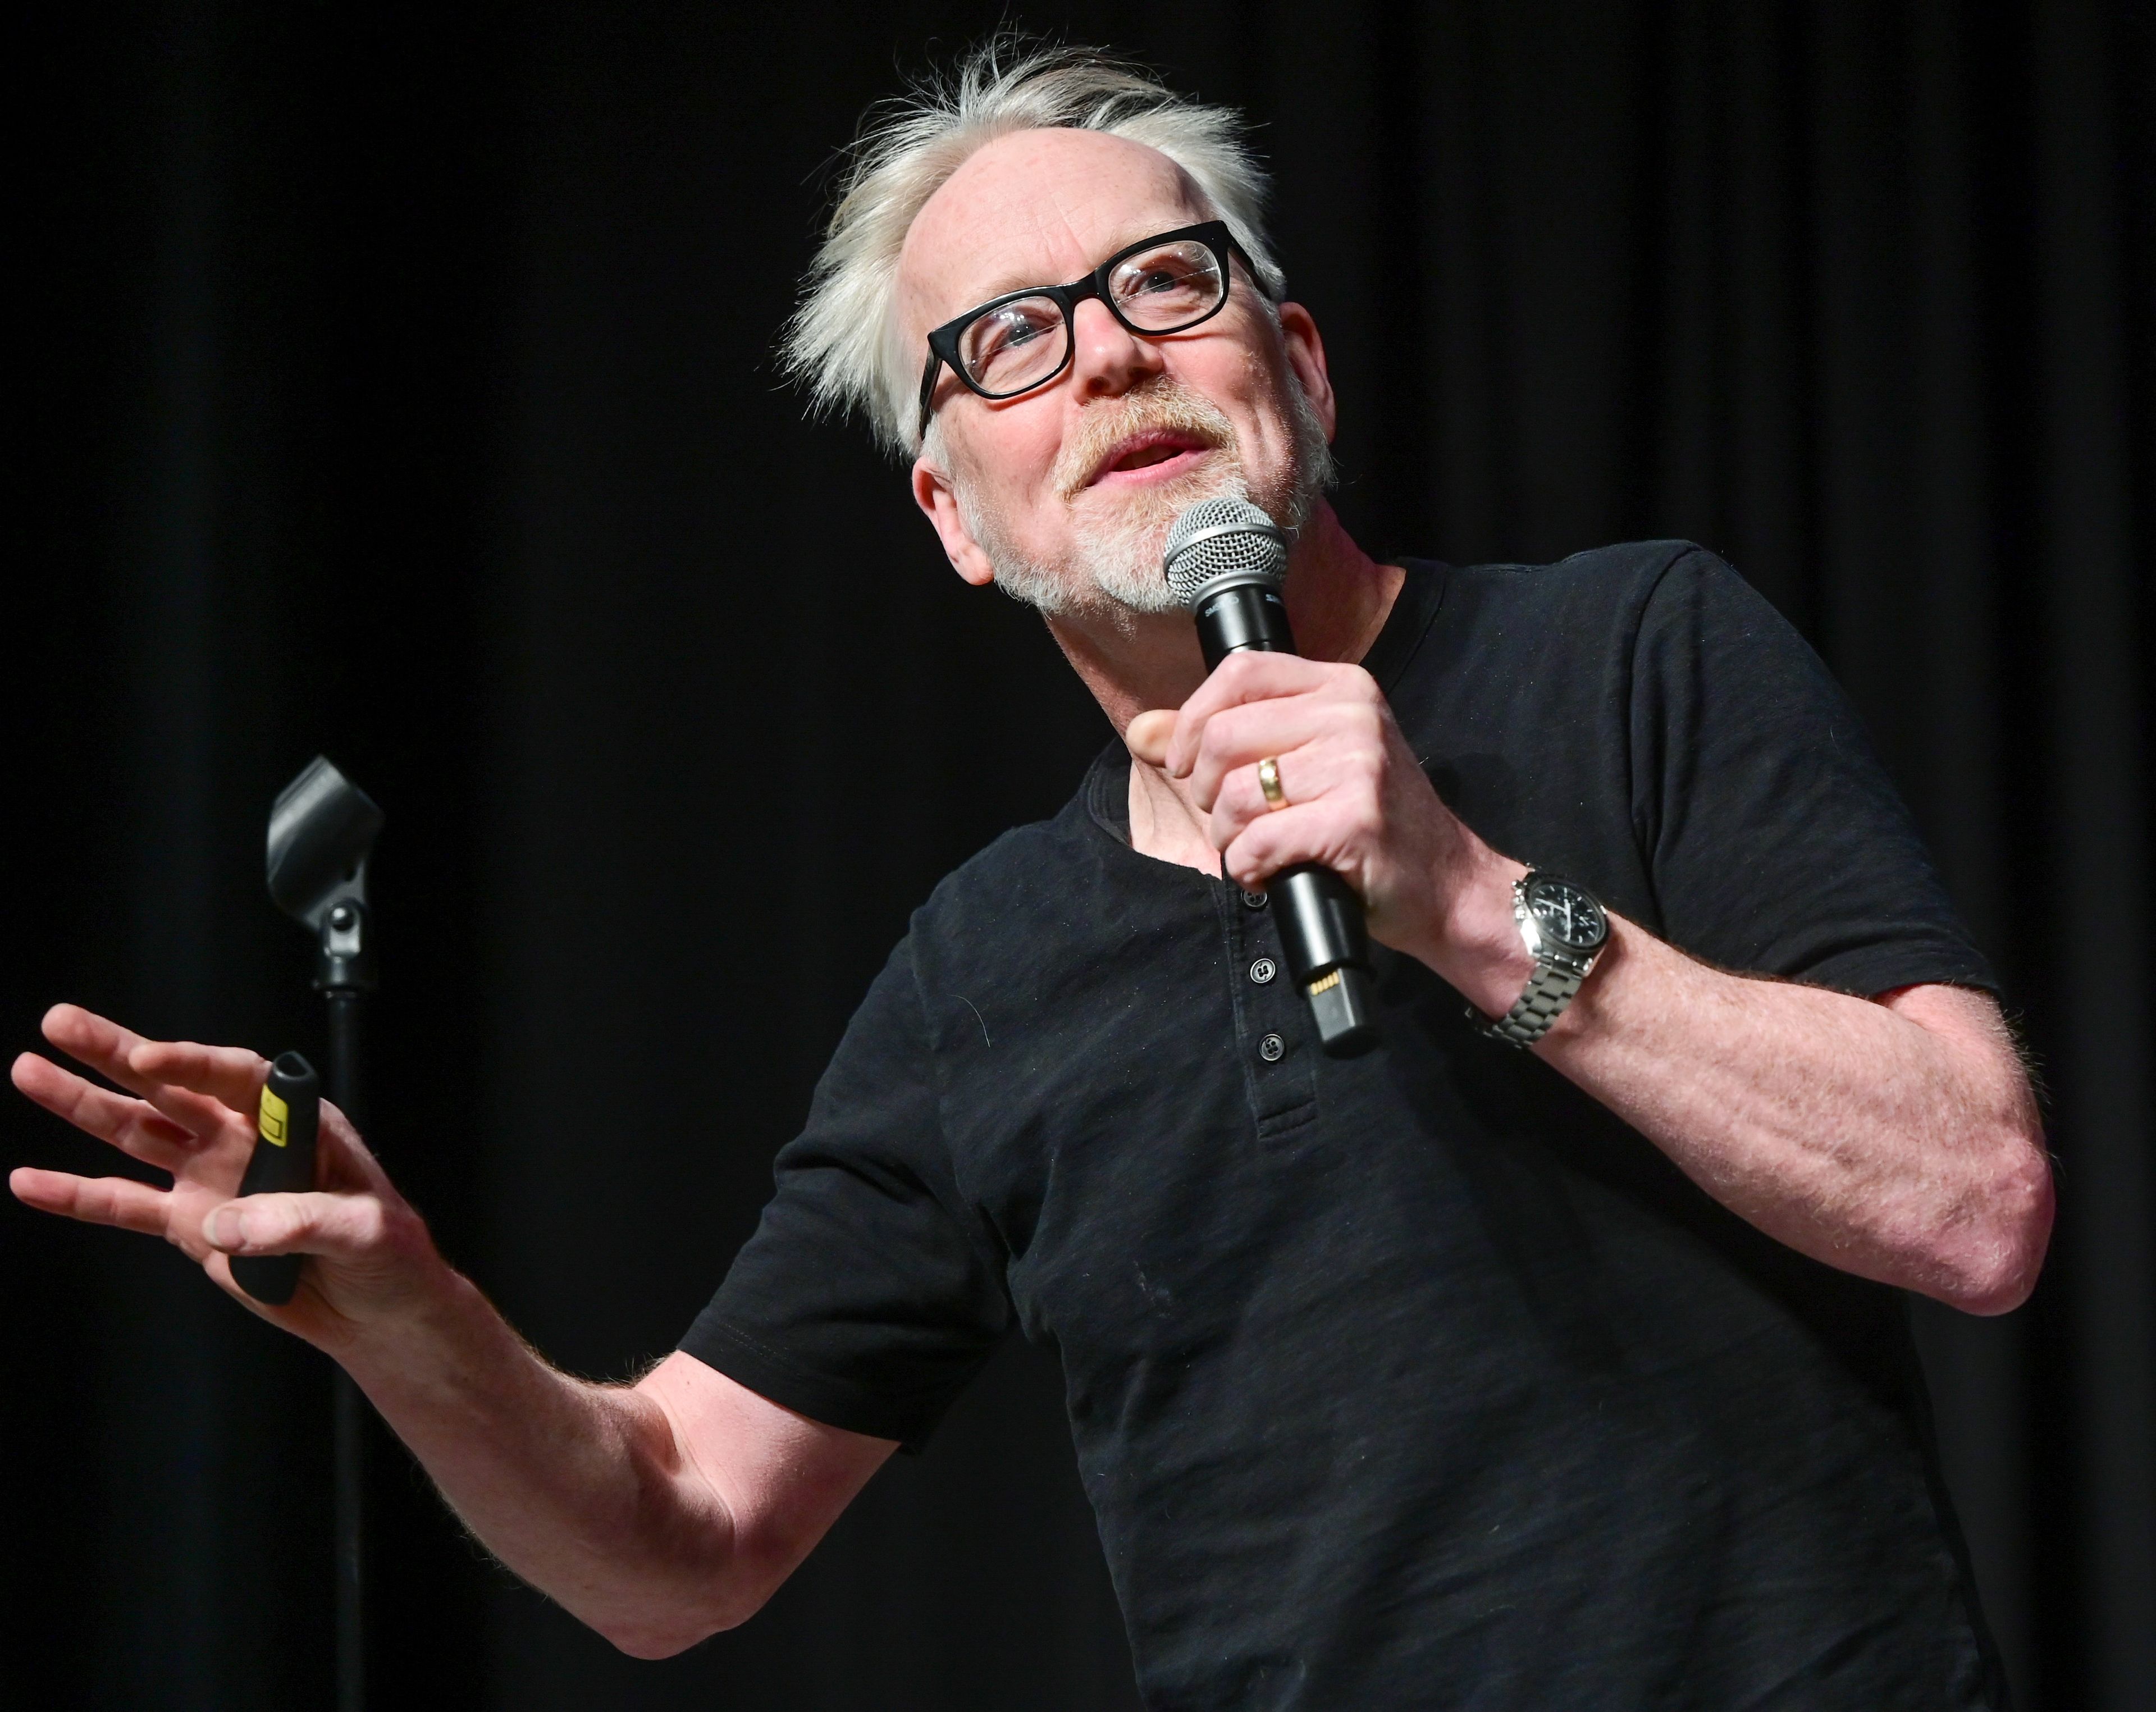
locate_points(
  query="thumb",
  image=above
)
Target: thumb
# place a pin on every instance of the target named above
(1148, 734)
(334, 1224)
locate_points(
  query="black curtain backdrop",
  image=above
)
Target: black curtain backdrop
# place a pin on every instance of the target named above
(397, 385)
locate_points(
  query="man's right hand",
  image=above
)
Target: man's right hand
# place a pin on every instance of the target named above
(657, 1512)
(192, 1113)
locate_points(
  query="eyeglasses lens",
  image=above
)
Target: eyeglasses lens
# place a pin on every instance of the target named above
(1020, 344)
(1170, 286)
(1015, 345)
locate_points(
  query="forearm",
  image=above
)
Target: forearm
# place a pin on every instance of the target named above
(579, 1489)
(1878, 1143)
(1896, 1140)
(656, 1513)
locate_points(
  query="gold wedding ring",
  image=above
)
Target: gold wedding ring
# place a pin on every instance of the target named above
(1269, 783)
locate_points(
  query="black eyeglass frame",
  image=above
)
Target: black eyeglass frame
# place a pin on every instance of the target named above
(943, 341)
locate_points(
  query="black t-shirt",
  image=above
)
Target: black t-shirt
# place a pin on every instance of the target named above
(1417, 1380)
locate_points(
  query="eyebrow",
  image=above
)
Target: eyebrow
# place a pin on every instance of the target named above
(1008, 282)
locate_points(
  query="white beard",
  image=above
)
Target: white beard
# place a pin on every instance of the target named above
(1113, 568)
(1114, 561)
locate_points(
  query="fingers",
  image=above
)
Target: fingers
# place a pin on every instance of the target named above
(95, 1200)
(1312, 774)
(97, 1041)
(1336, 814)
(1147, 735)
(1251, 677)
(342, 1227)
(1316, 743)
(134, 1126)
(232, 1075)
(1266, 843)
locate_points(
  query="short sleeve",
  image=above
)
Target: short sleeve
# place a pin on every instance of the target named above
(1775, 841)
(865, 1298)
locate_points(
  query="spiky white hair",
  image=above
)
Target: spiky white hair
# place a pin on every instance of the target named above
(844, 342)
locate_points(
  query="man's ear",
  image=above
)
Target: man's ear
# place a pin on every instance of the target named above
(1305, 356)
(933, 493)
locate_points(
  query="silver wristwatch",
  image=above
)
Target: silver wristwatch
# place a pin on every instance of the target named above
(1564, 927)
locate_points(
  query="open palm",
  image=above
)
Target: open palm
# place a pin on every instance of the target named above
(190, 1111)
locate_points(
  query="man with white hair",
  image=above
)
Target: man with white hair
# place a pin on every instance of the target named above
(1573, 1375)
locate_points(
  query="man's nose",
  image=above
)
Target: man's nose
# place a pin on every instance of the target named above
(1106, 358)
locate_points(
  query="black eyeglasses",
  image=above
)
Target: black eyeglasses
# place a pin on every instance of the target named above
(1023, 340)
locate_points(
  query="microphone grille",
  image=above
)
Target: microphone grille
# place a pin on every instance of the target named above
(1217, 537)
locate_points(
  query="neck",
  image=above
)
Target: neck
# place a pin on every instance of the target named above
(1338, 600)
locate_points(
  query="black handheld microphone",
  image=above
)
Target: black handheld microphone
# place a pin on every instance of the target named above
(1226, 561)
(283, 1160)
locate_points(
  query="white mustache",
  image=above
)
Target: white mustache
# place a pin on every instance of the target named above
(1163, 405)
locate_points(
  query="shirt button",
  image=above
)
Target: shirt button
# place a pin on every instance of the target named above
(1255, 900)
(1272, 1049)
(1262, 970)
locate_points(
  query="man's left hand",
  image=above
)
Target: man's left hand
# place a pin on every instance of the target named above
(1356, 800)
(1898, 1139)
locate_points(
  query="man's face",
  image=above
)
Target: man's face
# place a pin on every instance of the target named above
(1065, 495)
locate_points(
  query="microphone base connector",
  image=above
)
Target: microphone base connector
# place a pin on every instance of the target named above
(1340, 1005)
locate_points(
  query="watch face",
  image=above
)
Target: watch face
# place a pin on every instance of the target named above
(1567, 914)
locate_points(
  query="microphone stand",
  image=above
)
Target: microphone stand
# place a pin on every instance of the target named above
(322, 829)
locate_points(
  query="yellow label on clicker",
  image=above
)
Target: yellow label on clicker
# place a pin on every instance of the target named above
(275, 1115)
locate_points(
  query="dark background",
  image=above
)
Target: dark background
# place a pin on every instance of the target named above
(395, 383)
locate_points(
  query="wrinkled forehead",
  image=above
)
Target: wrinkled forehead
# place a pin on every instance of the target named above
(1036, 208)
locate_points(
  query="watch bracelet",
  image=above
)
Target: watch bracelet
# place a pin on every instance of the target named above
(1559, 972)
(1548, 990)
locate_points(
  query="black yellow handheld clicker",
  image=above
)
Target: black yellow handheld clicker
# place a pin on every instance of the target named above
(283, 1161)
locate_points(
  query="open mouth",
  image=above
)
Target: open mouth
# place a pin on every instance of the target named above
(1158, 454)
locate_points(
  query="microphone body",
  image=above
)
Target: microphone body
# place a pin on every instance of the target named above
(1240, 615)
(1227, 561)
